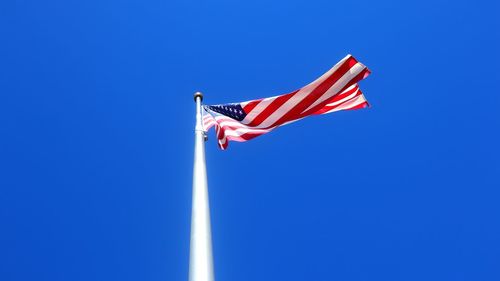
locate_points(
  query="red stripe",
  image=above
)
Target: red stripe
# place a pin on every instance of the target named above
(294, 113)
(245, 137)
(234, 128)
(359, 106)
(350, 101)
(251, 105)
(235, 123)
(223, 146)
(221, 131)
(341, 95)
(272, 107)
(354, 80)
(326, 109)
(337, 98)
(242, 138)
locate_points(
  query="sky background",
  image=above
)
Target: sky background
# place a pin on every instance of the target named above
(96, 146)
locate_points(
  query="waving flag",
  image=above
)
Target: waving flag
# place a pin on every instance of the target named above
(335, 90)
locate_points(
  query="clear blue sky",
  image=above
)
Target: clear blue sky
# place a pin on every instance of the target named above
(97, 117)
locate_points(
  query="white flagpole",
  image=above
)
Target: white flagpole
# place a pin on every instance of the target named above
(200, 259)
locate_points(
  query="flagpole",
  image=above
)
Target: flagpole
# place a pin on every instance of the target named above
(200, 259)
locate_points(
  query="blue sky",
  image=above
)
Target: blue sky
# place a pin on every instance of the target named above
(97, 121)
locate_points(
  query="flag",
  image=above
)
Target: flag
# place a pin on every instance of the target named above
(335, 90)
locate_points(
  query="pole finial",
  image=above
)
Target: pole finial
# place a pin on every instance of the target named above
(198, 94)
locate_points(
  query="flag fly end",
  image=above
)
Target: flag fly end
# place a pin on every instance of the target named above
(335, 90)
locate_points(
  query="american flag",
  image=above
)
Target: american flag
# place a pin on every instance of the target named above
(335, 90)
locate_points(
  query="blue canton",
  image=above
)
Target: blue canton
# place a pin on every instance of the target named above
(233, 110)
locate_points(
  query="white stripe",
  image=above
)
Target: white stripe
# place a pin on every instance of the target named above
(346, 78)
(344, 99)
(349, 104)
(235, 134)
(224, 121)
(354, 87)
(235, 138)
(242, 131)
(299, 96)
(207, 126)
(208, 121)
(263, 104)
